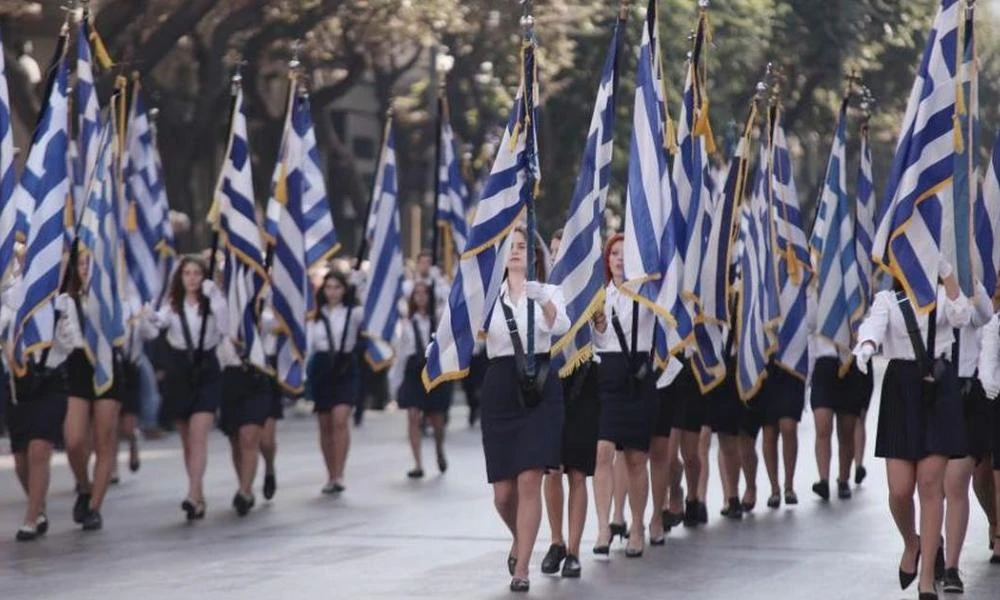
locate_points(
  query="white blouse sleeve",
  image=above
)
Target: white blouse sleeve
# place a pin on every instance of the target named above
(982, 307)
(561, 323)
(875, 325)
(957, 312)
(402, 344)
(989, 361)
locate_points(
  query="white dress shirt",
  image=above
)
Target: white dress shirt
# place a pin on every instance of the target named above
(405, 345)
(884, 326)
(62, 341)
(336, 316)
(989, 355)
(968, 338)
(498, 336)
(218, 316)
(607, 341)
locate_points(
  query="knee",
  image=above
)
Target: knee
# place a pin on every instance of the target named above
(636, 461)
(504, 501)
(605, 455)
(789, 428)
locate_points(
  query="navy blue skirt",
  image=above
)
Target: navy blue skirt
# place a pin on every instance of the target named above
(783, 396)
(517, 438)
(189, 389)
(246, 398)
(691, 407)
(583, 412)
(412, 393)
(36, 416)
(331, 389)
(849, 394)
(628, 413)
(912, 426)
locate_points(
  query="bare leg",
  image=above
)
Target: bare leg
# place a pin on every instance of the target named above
(269, 445)
(21, 468)
(659, 472)
(439, 425)
(554, 506)
(577, 510)
(621, 488)
(638, 492)
(198, 427)
(748, 462)
(902, 478)
(39, 460)
(982, 484)
(76, 435)
(505, 501)
(824, 435)
(958, 474)
(692, 462)
(704, 445)
(529, 517)
(604, 483)
(675, 474)
(930, 489)
(789, 450)
(846, 428)
(249, 441)
(860, 438)
(770, 449)
(413, 420)
(105, 446)
(729, 465)
(996, 508)
(325, 420)
(341, 439)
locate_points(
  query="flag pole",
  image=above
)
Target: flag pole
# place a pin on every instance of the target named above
(528, 28)
(436, 229)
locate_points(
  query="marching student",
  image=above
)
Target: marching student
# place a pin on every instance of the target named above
(276, 411)
(194, 319)
(989, 376)
(832, 395)
(132, 353)
(88, 417)
(334, 372)
(412, 336)
(522, 414)
(35, 407)
(976, 412)
(623, 340)
(782, 399)
(920, 418)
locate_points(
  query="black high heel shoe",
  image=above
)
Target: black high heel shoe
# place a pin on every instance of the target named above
(619, 529)
(906, 579)
(605, 549)
(939, 566)
(995, 559)
(928, 596)
(521, 585)
(511, 563)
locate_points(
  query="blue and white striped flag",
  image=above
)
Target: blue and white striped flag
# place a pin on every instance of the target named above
(503, 202)
(103, 324)
(653, 266)
(386, 284)
(43, 194)
(234, 217)
(8, 178)
(864, 226)
(839, 299)
(754, 342)
(791, 258)
(918, 223)
(301, 233)
(88, 120)
(144, 193)
(987, 222)
(578, 267)
(453, 196)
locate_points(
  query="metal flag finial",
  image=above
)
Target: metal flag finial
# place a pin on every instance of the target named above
(295, 63)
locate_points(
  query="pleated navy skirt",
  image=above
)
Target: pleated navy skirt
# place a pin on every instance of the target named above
(783, 396)
(412, 393)
(628, 412)
(331, 389)
(583, 412)
(911, 427)
(517, 438)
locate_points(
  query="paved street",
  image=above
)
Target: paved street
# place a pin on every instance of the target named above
(439, 538)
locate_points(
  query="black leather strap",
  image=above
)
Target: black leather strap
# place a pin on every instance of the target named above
(923, 352)
(515, 337)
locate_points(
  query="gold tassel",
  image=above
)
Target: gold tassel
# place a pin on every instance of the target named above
(670, 143)
(69, 214)
(100, 50)
(794, 269)
(281, 189)
(956, 134)
(703, 126)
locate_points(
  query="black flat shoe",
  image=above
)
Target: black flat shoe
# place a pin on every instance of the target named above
(134, 463)
(952, 583)
(774, 501)
(674, 520)
(511, 563)
(115, 480)
(26, 534)
(906, 579)
(702, 513)
(939, 566)
(442, 464)
(571, 567)
(193, 511)
(859, 474)
(690, 513)
(734, 510)
(843, 490)
(519, 585)
(619, 529)
(42, 524)
(243, 504)
(270, 486)
(93, 521)
(81, 507)
(666, 519)
(928, 596)
(604, 549)
(791, 499)
(415, 474)
(553, 559)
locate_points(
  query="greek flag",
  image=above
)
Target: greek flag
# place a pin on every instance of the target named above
(919, 197)
(88, 121)
(145, 216)
(578, 267)
(791, 256)
(43, 192)
(839, 298)
(8, 178)
(653, 267)
(503, 202)
(233, 214)
(986, 221)
(452, 193)
(103, 324)
(381, 306)
(299, 229)
(754, 343)
(864, 226)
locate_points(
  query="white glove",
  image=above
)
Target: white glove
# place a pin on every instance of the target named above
(944, 269)
(992, 389)
(209, 288)
(356, 278)
(537, 291)
(63, 302)
(435, 272)
(863, 355)
(64, 333)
